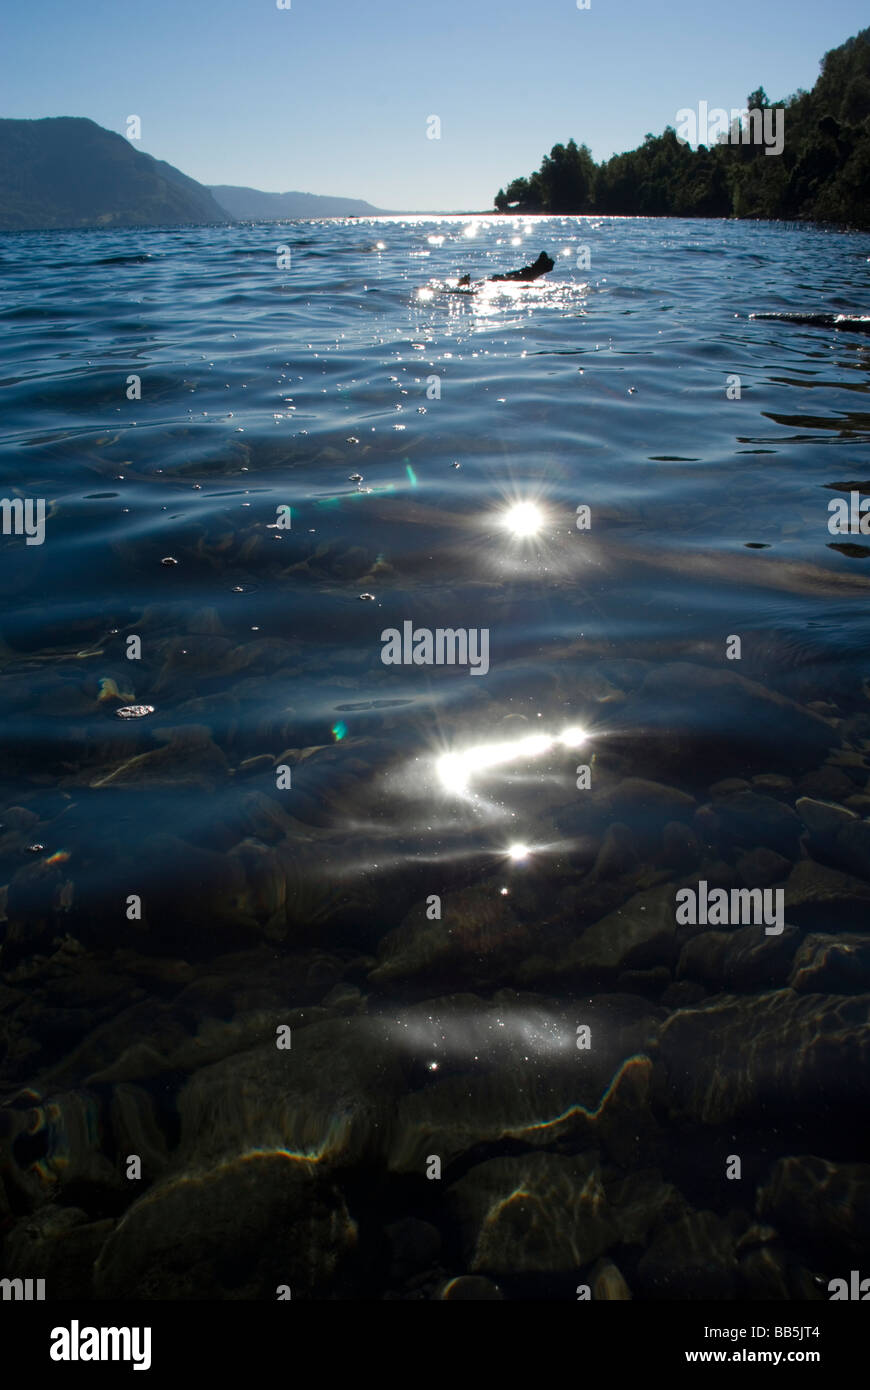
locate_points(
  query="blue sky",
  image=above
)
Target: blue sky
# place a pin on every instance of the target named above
(333, 96)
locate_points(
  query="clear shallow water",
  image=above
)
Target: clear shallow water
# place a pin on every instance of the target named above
(264, 388)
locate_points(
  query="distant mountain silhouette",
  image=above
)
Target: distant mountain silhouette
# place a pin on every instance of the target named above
(250, 204)
(67, 171)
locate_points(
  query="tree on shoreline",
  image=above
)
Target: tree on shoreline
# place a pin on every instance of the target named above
(822, 174)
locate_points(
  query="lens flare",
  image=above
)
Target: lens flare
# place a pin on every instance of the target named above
(573, 737)
(524, 519)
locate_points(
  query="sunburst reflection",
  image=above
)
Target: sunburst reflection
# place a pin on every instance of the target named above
(456, 769)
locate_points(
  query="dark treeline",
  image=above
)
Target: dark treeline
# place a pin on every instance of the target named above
(823, 172)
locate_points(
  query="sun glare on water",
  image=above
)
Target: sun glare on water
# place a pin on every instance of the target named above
(524, 519)
(455, 770)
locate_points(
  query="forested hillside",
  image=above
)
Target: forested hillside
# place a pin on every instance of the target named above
(823, 172)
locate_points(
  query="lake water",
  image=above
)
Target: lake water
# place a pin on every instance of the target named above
(321, 926)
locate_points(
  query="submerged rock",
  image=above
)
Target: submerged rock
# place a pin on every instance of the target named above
(639, 935)
(850, 848)
(760, 868)
(642, 1204)
(742, 959)
(534, 1214)
(756, 728)
(608, 1284)
(771, 1271)
(476, 940)
(256, 1223)
(834, 964)
(681, 848)
(189, 758)
(823, 818)
(58, 1244)
(537, 1107)
(644, 806)
(133, 711)
(751, 820)
(330, 1096)
(822, 1206)
(825, 899)
(618, 855)
(776, 1054)
(692, 1259)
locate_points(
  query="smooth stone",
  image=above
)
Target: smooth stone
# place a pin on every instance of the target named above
(823, 818)
(728, 786)
(826, 783)
(760, 868)
(825, 899)
(639, 798)
(607, 1282)
(749, 819)
(853, 763)
(716, 873)
(773, 783)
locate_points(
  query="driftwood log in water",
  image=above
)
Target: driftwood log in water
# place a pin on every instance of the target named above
(855, 323)
(542, 266)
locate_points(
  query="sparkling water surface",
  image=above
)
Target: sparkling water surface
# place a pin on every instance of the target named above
(433, 875)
